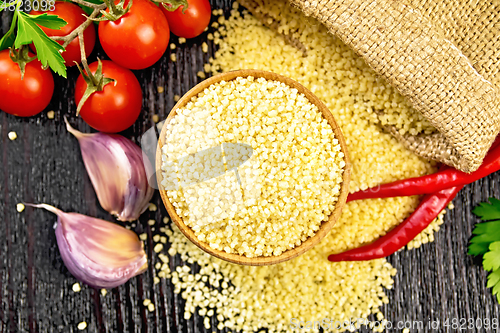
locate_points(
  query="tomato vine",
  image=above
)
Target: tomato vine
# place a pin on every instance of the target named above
(25, 29)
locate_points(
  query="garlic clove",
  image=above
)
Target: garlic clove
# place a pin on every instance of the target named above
(97, 252)
(117, 171)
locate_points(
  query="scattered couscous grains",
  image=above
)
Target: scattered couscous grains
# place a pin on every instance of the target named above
(152, 207)
(173, 57)
(151, 307)
(12, 135)
(151, 222)
(289, 185)
(81, 326)
(201, 75)
(177, 98)
(20, 207)
(160, 89)
(250, 299)
(204, 47)
(51, 114)
(76, 288)
(158, 248)
(104, 292)
(172, 46)
(143, 236)
(146, 302)
(182, 40)
(156, 118)
(159, 126)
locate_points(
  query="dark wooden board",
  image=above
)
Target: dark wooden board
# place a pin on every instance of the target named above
(438, 281)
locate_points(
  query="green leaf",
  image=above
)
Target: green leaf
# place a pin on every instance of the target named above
(48, 21)
(488, 211)
(48, 51)
(494, 282)
(9, 38)
(487, 242)
(491, 259)
(493, 278)
(487, 233)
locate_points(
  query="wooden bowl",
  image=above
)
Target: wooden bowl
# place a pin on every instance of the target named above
(325, 226)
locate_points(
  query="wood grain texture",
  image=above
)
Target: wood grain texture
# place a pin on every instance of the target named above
(325, 227)
(436, 281)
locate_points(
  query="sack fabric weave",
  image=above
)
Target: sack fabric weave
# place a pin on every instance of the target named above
(442, 55)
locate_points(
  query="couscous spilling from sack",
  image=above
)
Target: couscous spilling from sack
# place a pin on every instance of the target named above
(290, 175)
(309, 287)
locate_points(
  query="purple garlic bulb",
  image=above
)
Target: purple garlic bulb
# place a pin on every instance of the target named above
(117, 171)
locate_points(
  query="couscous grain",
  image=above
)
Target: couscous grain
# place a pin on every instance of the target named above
(76, 287)
(20, 207)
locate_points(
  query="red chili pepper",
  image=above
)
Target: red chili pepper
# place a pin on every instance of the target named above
(443, 179)
(426, 212)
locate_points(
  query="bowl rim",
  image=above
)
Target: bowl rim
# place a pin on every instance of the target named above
(325, 226)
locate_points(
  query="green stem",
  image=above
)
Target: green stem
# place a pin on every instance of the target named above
(115, 10)
(21, 58)
(172, 5)
(95, 82)
(84, 59)
(71, 36)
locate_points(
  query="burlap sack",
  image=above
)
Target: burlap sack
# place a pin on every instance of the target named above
(443, 55)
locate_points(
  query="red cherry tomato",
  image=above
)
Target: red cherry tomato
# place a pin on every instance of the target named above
(192, 22)
(139, 38)
(117, 106)
(73, 15)
(26, 97)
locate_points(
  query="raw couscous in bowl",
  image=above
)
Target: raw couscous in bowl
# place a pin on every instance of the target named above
(252, 167)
